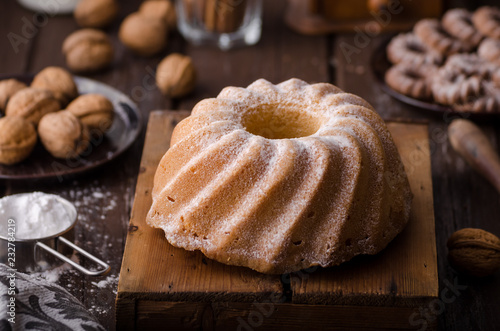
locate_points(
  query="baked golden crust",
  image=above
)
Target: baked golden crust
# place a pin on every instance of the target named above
(281, 177)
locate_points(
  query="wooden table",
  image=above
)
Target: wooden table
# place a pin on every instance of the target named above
(104, 197)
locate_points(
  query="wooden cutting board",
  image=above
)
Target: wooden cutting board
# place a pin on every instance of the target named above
(163, 287)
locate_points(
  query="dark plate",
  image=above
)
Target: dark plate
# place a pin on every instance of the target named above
(103, 148)
(380, 64)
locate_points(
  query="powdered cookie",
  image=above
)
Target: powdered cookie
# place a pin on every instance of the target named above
(470, 65)
(431, 32)
(487, 20)
(411, 80)
(489, 49)
(453, 88)
(458, 23)
(408, 48)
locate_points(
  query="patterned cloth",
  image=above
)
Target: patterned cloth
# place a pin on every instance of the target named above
(40, 305)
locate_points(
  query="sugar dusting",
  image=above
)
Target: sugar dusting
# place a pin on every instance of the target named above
(281, 210)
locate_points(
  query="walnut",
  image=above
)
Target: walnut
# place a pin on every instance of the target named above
(63, 135)
(162, 9)
(59, 81)
(17, 139)
(8, 88)
(144, 35)
(32, 104)
(474, 251)
(88, 50)
(93, 110)
(175, 75)
(95, 13)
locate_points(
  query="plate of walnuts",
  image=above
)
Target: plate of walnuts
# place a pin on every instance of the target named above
(54, 124)
(447, 65)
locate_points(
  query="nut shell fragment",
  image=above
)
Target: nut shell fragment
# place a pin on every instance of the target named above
(93, 110)
(176, 75)
(88, 50)
(95, 13)
(63, 135)
(8, 88)
(474, 251)
(145, 36)
(17, 139)
(32, 104)
(59, 81)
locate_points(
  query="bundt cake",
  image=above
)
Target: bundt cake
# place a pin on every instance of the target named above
(279, 178)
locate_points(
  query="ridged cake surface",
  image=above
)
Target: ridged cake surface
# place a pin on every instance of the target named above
(282, 177)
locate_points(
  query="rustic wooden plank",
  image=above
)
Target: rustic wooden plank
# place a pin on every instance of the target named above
(405, 273)
(269, 315)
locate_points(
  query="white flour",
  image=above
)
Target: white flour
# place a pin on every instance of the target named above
(36, 215)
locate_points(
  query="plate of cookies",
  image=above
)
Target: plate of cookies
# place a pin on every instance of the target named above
(54, 124)
(448, 65)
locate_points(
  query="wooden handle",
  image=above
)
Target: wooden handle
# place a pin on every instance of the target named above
(472, 144)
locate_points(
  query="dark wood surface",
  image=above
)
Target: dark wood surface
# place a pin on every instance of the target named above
(104, 197)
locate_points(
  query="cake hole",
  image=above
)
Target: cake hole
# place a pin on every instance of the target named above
(195, 235)
(280, 122)
(170, 199)
(297, 243)
(348, 242)
(205, 238)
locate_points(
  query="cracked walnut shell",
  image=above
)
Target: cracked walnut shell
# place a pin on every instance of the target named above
(162, 9)
(95, 13)
(32, 104)
(8, 88)
(144, 35)
(17, 139)
(93, 110)
(175, 75)
(474, 251)
(63, 135)
(58, 81)
(88, 50)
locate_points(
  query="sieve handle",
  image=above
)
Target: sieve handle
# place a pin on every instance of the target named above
(86, 271)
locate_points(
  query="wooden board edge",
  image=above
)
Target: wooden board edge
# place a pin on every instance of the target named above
(141, 185)
(276, 315)
(125, 313)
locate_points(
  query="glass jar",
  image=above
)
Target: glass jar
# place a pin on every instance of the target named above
(225, 23)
